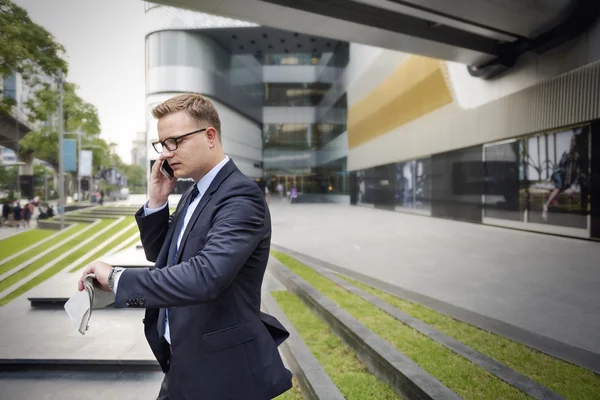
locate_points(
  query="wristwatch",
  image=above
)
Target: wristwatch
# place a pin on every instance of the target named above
(111, 277)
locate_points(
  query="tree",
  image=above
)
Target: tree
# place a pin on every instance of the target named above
(43, 175)
(77, 114)
(27, 49)
(136, 178)
(8, 178)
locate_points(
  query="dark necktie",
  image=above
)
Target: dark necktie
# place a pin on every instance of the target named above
(176, 234)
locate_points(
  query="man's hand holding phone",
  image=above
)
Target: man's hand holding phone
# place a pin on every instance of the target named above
(166, 170)
(160, 185)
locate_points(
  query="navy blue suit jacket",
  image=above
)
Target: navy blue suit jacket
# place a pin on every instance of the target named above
(223, 346)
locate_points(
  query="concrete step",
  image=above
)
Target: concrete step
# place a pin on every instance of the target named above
(381, 358)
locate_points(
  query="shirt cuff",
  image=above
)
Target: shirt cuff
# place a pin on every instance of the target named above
(148, 211)
(118, 273)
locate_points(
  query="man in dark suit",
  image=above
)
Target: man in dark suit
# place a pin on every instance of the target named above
(203, 319)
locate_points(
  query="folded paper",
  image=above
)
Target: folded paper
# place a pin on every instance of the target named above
(79, 307)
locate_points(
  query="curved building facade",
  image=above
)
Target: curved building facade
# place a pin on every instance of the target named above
(269, 87)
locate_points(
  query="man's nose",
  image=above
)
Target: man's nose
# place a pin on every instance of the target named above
(168, 153)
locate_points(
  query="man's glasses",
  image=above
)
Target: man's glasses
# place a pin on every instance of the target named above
(172, 142)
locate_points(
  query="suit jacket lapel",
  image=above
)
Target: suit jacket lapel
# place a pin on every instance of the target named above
(221, 176)
(170, 243)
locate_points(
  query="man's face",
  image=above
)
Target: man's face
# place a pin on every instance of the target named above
(191, 158)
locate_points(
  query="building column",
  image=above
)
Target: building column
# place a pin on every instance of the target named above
(26, 181)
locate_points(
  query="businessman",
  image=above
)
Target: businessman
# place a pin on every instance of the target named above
(202, 299)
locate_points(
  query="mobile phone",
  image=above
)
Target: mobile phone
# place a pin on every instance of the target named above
(166, 169)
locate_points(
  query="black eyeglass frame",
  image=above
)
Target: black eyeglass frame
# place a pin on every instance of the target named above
(176, 139)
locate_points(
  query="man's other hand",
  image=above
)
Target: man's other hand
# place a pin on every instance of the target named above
(100, 270)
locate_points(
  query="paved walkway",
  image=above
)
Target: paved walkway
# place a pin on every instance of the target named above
(7, 231)
(542, 283)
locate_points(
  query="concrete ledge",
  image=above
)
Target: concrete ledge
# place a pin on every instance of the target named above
(572, 354)
(102, 215)
(112, 212)
(51, 302)
(76, 218)
(47, 302)
(314, 382)
(75, 207)
(49, 224)
(31, 364)
(506, 374)
(89, 215)
(380, 357)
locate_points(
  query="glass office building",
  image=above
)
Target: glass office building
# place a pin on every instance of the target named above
(272, 89)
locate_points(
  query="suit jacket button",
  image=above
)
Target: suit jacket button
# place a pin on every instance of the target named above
(142, 302)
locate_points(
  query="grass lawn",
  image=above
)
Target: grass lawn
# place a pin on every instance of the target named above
(338, 360)
(465, 378)
(66, 261)
(564, 378)
(293, 394)
(27, 255)
(16, 243)
(17, 276)
(114, 243)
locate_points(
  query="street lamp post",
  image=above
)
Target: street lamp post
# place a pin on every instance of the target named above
(79, 164)
(17, 154)
(61, 167)
(17, 116)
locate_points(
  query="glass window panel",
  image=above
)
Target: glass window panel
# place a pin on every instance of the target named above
(457, 184)
(291, 59)
(333, 123)
(10, 87)
(294, 94)
(504, 191)
(558, 168)
(423, 184)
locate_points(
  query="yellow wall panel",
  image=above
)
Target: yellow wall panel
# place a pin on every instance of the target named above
(417, 87)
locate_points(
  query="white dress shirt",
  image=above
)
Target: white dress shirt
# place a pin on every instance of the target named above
(203, 185)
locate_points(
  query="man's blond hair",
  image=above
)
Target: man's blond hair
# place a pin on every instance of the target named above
(195, 105)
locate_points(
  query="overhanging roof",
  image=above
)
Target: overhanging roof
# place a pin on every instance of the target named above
(464, 31)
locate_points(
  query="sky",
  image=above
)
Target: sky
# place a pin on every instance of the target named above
(104, 42)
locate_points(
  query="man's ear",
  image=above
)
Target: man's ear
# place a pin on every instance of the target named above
(212, 136)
